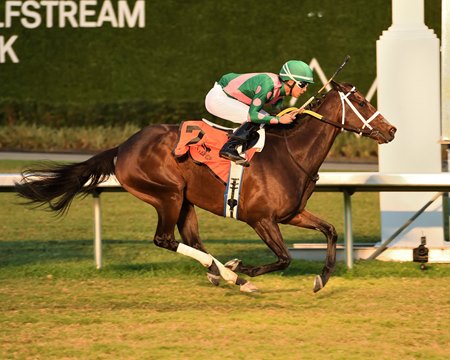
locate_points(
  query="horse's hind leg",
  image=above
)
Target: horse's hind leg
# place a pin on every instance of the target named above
(270, 233)
(188, 227)
(307, 220)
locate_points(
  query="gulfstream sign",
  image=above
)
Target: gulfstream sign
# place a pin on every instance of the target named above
(32, 14)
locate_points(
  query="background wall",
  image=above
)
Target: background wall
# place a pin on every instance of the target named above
(161, 73)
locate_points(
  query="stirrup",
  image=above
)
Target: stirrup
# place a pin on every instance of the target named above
(235, 158)
(230, 156)
(243, 163)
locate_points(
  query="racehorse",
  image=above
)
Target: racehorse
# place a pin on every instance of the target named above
(275, 188)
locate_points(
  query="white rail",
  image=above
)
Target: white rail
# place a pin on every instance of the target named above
(345, 182)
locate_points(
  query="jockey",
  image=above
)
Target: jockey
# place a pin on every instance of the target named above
(241, 97)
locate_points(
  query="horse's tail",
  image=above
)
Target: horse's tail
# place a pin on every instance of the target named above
(57, 185)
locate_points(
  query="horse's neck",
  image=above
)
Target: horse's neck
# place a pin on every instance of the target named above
(312, 141)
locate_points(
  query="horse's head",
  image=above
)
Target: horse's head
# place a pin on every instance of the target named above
(360, 116)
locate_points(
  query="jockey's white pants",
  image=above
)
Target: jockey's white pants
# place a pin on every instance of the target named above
(221, 105)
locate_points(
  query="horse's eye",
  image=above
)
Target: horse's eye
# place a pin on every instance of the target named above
(362, 104)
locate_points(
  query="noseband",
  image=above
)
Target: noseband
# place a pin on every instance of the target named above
(366, 129)
(344, 99)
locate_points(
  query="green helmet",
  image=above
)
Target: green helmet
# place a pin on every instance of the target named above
(296, 70)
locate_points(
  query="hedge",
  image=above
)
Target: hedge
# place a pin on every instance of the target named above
(139, 113)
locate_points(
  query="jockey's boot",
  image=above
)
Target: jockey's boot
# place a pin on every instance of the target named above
(239, 137)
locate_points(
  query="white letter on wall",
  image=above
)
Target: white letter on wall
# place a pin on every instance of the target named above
(10, 12)
(6, 48)
(49, 5)
(26, 11)
(85, 12)
(107, 14)
(67, 10)
(131, 18)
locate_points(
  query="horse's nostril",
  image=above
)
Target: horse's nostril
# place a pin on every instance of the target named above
(392, 131)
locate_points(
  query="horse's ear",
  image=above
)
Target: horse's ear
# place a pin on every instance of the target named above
(335, 85)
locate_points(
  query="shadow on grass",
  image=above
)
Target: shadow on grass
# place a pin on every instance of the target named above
(128, 257)
(142, 258)
(16, 253)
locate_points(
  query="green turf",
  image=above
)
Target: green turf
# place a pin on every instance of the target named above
(149, 303)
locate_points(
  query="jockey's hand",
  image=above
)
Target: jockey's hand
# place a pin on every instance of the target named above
(287, 118)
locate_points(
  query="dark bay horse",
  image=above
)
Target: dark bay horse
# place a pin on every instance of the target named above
(275, 187)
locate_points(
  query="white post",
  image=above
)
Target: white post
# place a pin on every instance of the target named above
(445, 98)
(97, 230)
(445, 71)
(348, 229)
(409, 97)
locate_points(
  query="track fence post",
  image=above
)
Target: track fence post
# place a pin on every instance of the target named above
(348, 231)
(97, 230)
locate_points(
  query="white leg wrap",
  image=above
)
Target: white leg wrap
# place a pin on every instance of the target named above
(205, 259)
(228, 275)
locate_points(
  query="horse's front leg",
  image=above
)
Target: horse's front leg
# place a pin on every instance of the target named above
(188, 227)
(270, 233)
(307, 220)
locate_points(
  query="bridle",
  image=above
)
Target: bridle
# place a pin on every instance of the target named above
(365, 130)
(366, 123)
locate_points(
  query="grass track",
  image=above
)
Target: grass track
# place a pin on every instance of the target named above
(148, 303)
(182, 317)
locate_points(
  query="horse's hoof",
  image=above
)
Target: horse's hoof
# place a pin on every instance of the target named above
(233, 264)
(318, 284)
(248, 287)
(213, 279)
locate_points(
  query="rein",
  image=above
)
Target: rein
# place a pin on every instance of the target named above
(366, 130)
(351, 128)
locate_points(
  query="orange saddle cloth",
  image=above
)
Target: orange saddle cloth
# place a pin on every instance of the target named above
(203, 142)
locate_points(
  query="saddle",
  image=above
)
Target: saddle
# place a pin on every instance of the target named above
(203, 140)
